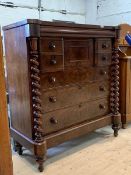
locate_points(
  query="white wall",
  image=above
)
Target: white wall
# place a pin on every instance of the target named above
(9, 15)
(91, 12)
(77, 7)
(108, 12)
(76, 10)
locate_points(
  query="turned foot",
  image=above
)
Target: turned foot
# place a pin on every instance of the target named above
(41, 167)
(123, 125)
(40, 161)
(17, 147)
(19, 150)
(116, 129)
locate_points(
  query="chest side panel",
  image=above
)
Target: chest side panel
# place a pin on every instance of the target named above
(18, 81)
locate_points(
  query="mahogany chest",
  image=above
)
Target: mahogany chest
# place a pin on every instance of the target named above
(63, 82)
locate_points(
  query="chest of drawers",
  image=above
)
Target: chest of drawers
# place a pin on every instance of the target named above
(62, 80)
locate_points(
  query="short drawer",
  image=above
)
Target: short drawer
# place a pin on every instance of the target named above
(64, 118)
(51, 45)
(66, 77)
(68, 96)
(51, 63)
(103, 45)
(103, 59)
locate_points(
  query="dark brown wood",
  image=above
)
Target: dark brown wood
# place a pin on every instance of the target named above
(5, 147)
(61, 75)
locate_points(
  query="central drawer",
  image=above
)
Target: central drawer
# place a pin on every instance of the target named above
(68, 96)
(64, 118)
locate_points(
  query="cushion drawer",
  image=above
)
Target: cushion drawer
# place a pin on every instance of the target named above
(103, 59)
(51, 63)
(54, 45)
(76, 51)
(103, 45)
(63, 118)
(68, 96)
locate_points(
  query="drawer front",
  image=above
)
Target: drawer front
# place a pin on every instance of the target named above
(103, 45)
(52, 45)
(51, 63)
(64, 118)
(76, 51)
(66, 77)
(103, 59)
(69, 96)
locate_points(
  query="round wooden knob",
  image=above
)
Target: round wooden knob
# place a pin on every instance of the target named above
(104, 58)
(104, 45)
(52, 45)
(52, 99)
(52, 79)
(102, 88)
(102, 106)
(53, 120)
(53, 61)
(102, 72)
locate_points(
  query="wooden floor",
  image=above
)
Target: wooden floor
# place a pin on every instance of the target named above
(96, 154)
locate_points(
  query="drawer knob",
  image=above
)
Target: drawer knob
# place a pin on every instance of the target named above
(104, 46)
(102, 88)
(52, 99)
(53, 61)
(52, 79)
(53, 120)
(52, 45)
(102, 106)
(104, 58)
(102, 72)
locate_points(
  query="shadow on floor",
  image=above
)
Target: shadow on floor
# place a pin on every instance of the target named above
(71, 147)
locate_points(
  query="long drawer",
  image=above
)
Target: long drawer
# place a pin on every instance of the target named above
(73, 76)
(68, 96)
(64, 118)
